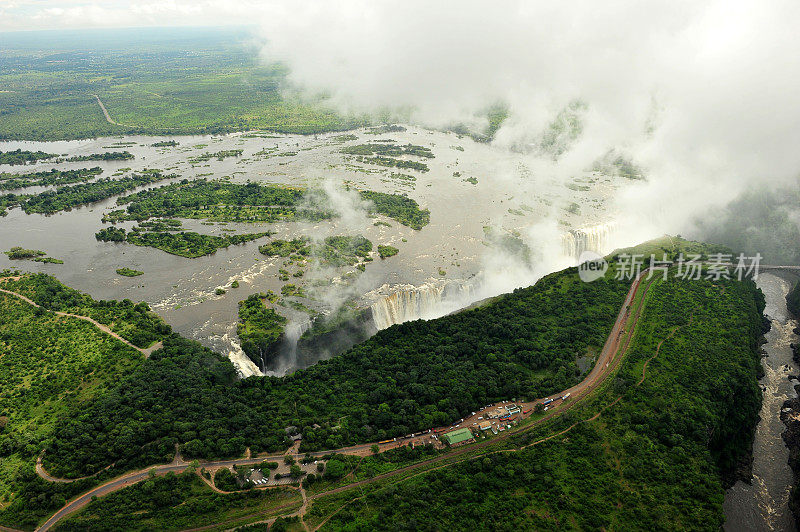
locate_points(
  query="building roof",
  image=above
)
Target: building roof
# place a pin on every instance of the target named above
(458, 436)
(485, 425)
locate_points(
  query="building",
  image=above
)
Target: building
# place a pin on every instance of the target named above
(513, 409)
(485, 425)
(457, 436)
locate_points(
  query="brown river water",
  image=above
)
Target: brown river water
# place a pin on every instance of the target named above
(514, 194)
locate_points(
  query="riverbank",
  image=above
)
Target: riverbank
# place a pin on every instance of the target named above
(763, 502)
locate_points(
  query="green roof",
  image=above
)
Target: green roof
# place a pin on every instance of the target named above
(457, 436)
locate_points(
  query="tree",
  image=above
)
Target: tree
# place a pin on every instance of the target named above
(295, 471)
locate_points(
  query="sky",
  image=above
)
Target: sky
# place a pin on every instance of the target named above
(703, 95)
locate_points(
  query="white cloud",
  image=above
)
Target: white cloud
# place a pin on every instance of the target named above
(719, 78)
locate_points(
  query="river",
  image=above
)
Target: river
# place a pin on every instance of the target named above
(509, 194)
(763, 505)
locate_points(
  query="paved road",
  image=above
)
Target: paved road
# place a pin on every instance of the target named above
(146, 352)
(607, 361)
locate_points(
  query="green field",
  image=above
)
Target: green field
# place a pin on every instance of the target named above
(186, 81)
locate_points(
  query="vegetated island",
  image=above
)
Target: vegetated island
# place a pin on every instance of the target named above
(107, 156)
(253, 202)
(184, 243)
(18, 156)
(165, 144)
(48, 178)
(387, 251)
(67, 197)
(128, 272)
(37, 255)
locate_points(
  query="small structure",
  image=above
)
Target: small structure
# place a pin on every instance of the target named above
(486, 425)
(513, 409)
(458, 436)
(498, 412)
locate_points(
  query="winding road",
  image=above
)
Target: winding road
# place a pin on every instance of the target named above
(607, 362)
(145, 351)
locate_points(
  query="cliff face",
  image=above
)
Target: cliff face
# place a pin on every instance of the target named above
(793, 301)
(790, 413)
(328, 339)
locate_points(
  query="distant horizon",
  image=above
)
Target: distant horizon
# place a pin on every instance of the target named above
(31, 15)
(99, 29)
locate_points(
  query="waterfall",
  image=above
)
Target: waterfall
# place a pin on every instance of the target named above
(596, 238)
(292, 334)
(395, 304)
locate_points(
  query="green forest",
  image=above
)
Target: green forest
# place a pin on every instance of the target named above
(221, 201)
(48, 178)
(18, 156)
(260, 328)
(106, 156)
(675, 421)
(50, 367)
(406, 378)
(134, 322)
(657, 459)
(388, 149)
(184, 243)
(71, 196)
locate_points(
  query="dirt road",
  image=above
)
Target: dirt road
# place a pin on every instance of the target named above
(145, 351)
(105, 111)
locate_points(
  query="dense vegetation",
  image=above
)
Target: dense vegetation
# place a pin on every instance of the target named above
(655, 460)
(128, 272)
(388, 149)
(394, 163)
(186, 81)
(107, 156)
(342, 250)
(50, 366)
(20, 253)
(219, 201)
(260, 328)
(184, 244)
(253, 202)
(333, 251)
(285, 248)
(47, 178)
(134, 322)
(409, 377)
(23, 156)
(175, 502)
(404, 210)
(65, 198)
(220, 156)
(37, 255)
(387, 251)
